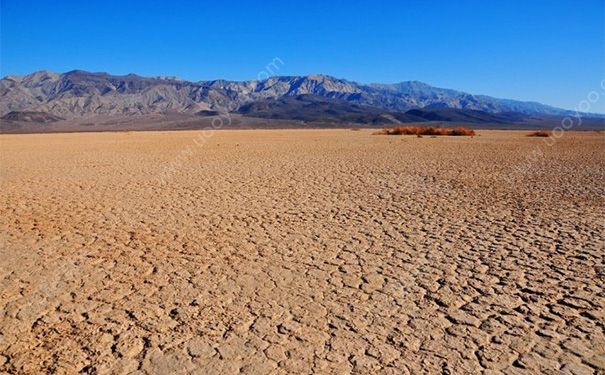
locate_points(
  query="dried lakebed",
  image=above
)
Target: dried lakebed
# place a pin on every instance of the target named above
(301, 251)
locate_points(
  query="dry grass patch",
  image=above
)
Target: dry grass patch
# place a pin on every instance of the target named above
(540, 133)
(423, 130)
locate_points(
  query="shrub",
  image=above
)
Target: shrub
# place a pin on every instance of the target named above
(420, 131)
(540, 133)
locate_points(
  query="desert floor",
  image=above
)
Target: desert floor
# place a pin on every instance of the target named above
(302, 251)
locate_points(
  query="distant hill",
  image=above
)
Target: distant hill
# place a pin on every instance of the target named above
(317, 109)
(313, 108)
(466, 116)
(31, 116)
(79, 93)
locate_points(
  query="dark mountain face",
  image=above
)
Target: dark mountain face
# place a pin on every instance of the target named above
(313, 108)
(466, 116)
(31, 116)
(79, 93)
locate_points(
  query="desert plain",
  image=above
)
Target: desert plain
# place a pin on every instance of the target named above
(302, 251)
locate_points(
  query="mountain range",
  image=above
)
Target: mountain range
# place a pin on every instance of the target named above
(312, 98)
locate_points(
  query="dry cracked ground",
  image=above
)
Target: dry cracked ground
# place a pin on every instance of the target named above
(317, 251)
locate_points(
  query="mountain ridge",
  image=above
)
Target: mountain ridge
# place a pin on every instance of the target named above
(79, 93)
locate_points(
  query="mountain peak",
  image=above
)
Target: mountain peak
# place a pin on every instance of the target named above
(320, 77)
(41, 73)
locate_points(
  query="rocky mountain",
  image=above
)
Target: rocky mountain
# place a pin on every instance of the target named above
(31, 116)
(471, 116)
(81, 94)
(314, 108)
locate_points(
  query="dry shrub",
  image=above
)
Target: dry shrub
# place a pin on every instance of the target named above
(540, 133)
(421, 130)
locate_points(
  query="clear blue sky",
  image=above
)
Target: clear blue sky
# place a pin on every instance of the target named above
(548, 51)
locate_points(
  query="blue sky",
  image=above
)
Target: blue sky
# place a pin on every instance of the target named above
(547, 51)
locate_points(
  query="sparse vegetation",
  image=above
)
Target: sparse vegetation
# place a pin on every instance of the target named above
(540, 133)
(460, 132)
(433, 131)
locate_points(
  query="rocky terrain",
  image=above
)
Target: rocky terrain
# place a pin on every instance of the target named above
(30, 116)
(312, 108)
(301, 251)
(79, 93)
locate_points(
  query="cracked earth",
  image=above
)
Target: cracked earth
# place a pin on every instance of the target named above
(301, 251)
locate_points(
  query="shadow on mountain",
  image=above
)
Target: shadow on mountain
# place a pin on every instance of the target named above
(31, 116)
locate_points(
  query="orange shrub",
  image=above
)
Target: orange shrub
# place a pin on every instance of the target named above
(421, 130)
(540, 133)
(461, 131)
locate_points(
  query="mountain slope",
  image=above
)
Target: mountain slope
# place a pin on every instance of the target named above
(314, 108)
(30, 116)
(79, 93)
(465, 116)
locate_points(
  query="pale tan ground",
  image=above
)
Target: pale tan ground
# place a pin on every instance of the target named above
(302, 252)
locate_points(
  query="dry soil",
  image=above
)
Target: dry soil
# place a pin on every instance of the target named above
(301, 251)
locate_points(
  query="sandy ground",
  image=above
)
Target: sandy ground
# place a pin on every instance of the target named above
(302, 251)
